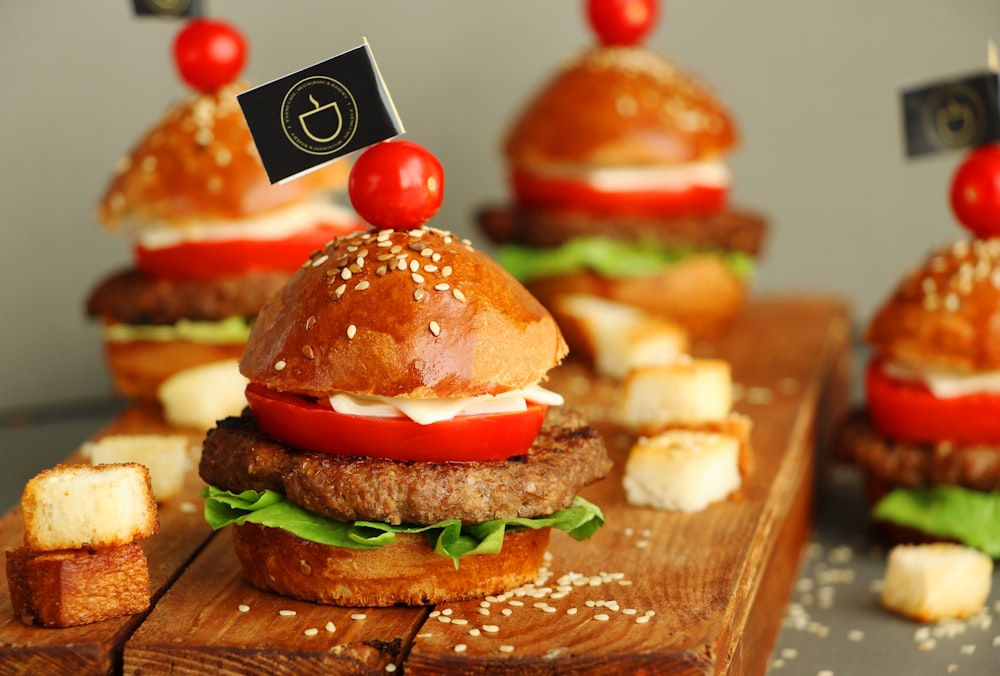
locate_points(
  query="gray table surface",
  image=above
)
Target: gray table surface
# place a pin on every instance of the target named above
(833, 624)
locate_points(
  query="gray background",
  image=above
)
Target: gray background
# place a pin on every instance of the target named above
(814, 87)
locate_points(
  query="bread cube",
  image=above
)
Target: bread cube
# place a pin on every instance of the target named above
(688, 390)
(77, 586)
(617, 338)
(200, 396)
(682, 470)
(932, 582)
(166, 456)
(78, 506)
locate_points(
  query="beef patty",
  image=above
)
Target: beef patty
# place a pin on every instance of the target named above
(567, 455)
(133, 297)
(914, 465)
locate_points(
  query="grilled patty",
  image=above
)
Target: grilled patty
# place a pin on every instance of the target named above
(915, 465)
(133, 297)
(567, 455)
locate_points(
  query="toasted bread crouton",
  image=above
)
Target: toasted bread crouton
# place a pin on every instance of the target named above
(199, 397)
(77, 506)
(78, 586)
(688, 390)
(617, 338)
(166, 456)
(682, 470)
(932, 582)
(735, 425)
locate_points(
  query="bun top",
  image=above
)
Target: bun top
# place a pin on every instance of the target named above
(945, 314)
(621, 106)
(199, 163)
(415, 313)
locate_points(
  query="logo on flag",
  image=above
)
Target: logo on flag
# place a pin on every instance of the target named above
(320, 113)
(952, 114)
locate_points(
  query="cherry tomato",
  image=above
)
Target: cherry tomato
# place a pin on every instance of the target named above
(907, 411)
(209, 54)
(622, 22)
(208, 260)
(396, 184)
(568, 195)
(315, 426)
(975, 191)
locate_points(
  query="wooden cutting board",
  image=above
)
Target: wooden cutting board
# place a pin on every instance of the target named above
(652, 592)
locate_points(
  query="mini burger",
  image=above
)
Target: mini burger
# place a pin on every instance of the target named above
(213, 238)
(929, 441)
(398, 447)
(620, 187)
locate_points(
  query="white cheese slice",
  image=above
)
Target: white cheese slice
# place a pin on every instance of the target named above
(427, 411)
(710, 174)
(946, 384)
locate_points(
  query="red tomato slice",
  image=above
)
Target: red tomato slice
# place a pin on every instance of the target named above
(315, 426)
(229, 258)
(907, 411)
(567, 194)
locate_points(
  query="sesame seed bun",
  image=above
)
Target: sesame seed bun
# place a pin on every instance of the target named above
(406, 572)
(620, 106)
(199, 163)
(945, 313)
(401, 314)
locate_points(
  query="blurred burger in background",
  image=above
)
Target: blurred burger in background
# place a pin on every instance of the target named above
(620, 187)
(213, 239)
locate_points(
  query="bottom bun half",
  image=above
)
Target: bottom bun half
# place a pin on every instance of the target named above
(407, 572)
(139, 367)
(700, 293)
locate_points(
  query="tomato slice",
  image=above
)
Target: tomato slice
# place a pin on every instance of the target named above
(315, 426)
(908, 411)
(576, 196)
(233, 257)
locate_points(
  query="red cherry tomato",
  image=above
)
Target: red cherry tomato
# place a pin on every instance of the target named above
(975, 191)
(568, 195)
(396, 184)
(315, 426)
(230, 258)
(209, 54)
(622, 22)
(907, 411)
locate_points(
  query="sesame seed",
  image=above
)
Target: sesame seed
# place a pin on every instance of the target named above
(414, 265)
(358, 616)
(444, 619)
(416, 233)
(362, 285)
(446, 271)
(417, 278)
(460, 621)
(572, 611)
(381, 270)
(442, 286)
(383, 257)
(642, 619)
(426, 252)
(474, 632)
(419, 294)
(286, 613)
(354, 268)
(319, 261)
(516, 603)
(436, 257)
(457, 293)
(331, 627)
(401, 265)
(435, 328)
(351, 331)
(384, 243)
(491, 628)
(280, 365)
(506, 612)
(390, 667)
(396, 248)
(383, 235)
(311, 631)
(506, 648)
(311, 322)
(340, 290)
(430, 268)
(602, 617)
(345, 274)
(244, 608)
(460, 648)
(484, 611)
(307, 352)
(447, 611)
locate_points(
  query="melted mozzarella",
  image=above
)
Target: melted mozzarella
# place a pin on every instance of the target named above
(947, 384)
(427, 411)
(709, 174)
(271, 226)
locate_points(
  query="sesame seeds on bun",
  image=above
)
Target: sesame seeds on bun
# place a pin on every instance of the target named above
(945, 313)
(621, 106)
(199, 164)
(416, 313)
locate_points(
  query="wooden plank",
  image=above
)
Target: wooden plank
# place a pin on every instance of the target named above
(708, 590)
(97, 648)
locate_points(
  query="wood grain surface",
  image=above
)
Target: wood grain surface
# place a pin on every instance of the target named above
(652, 592)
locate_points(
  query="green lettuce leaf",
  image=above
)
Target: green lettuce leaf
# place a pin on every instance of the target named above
(608, 257)
(448, 538)
(971, 517)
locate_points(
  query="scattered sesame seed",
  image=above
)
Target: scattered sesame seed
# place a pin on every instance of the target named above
(642, 619)
(352, 330)
(506, 612)
(362, 285)
(319, 261)
(418, 295)
(311, 322)
(307, 352)
(311, 631)
(484, 611)
(381, 270)
(414, 266)
(434, 613)
(331, 627)
(418, 278)
(457, 293)
(188, 507)
(572, 611)
(927, 645)
(435, 328)
(358, 616)
(491, 628)
(517, 603)
(602, 617)
(286, 613)
(967, 649)
(339, 291)
(506, 648)
(444, 619)
(280, 365)
(460, 648)
(345, 274)
(443, 286)
(430, 268)
(446, 271)
(244, 608)
(459, 621)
